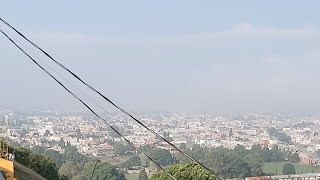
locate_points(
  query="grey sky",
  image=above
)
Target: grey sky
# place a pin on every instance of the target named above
(209, 57)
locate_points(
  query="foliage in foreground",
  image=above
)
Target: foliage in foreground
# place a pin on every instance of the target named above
(102, 170)
(189, 171)
(288, 168)
(38, 163)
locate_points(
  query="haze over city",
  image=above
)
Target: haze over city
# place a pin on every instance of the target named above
(160, 90)
(182, 56)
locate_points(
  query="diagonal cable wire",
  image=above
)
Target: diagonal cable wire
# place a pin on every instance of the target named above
(94, 168)
(60, 75)
(111, 102)
(82, 102)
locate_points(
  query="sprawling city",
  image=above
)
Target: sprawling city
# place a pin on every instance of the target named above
(293, 135)
(159, 90)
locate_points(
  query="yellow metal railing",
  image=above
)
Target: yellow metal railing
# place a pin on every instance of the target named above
(6, 166)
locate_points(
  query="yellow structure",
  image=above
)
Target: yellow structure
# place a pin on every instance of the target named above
(6, 166)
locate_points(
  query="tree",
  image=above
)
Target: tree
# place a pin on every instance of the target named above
(37, 149)
(47, 133)
(113, 133)
(146, 148)
(183, 146)
(100, 170)
(288, 168)
(129, 147)
(23, 132)
(68, 144)
(295, 158)
(199, 152)
(38, 163)
(273, 155)
(62, 144)
(256, 148)
(69, 170)
(143, 175)
(119, 149)
(71, 154)
(78, 134)
(55, 156)
(227, 163)
(44, 167)
(65, 169)
(240, 150)
(182, 158)
(135, 160)
(255, 162)
(189, 171)
(162, 156)
(126, 165)
(281, 136)
(167, 136)
(22, 155)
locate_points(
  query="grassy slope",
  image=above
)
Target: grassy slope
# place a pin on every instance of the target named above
(276, 168)
(22, 172)
(132, 176)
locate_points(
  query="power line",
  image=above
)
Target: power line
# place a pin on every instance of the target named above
(82, 102)
(111, 102)
(60, 75)
(94, 168)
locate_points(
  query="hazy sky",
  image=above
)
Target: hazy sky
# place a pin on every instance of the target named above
(196, 56)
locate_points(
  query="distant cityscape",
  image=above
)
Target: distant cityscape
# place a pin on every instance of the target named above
(92, 137)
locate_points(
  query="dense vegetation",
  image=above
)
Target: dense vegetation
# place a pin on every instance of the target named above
(235, 163)
(288, 168)
(53, 165)
(42, 165)
(74, 165)
(281, 136)
(238, 162)
(188, 171)
(143, 175)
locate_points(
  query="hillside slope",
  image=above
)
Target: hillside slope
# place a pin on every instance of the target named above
(22, 173)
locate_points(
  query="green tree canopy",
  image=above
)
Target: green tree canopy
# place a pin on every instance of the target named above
(47, 133)
(119, 149)
(146, 148)
(113, 133)
(65, 169)
(189, 171)
(38, 163)
(37, 149)
(69, 170)
(288, 168)
(143, 175)
(44, 166)
(71, 154)
(62, 143)
(255, 162)
(56, 156)
(280, 135)
(135, 160)
(162, 156)
(183, 146)
(295, 158)
(102, 171)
